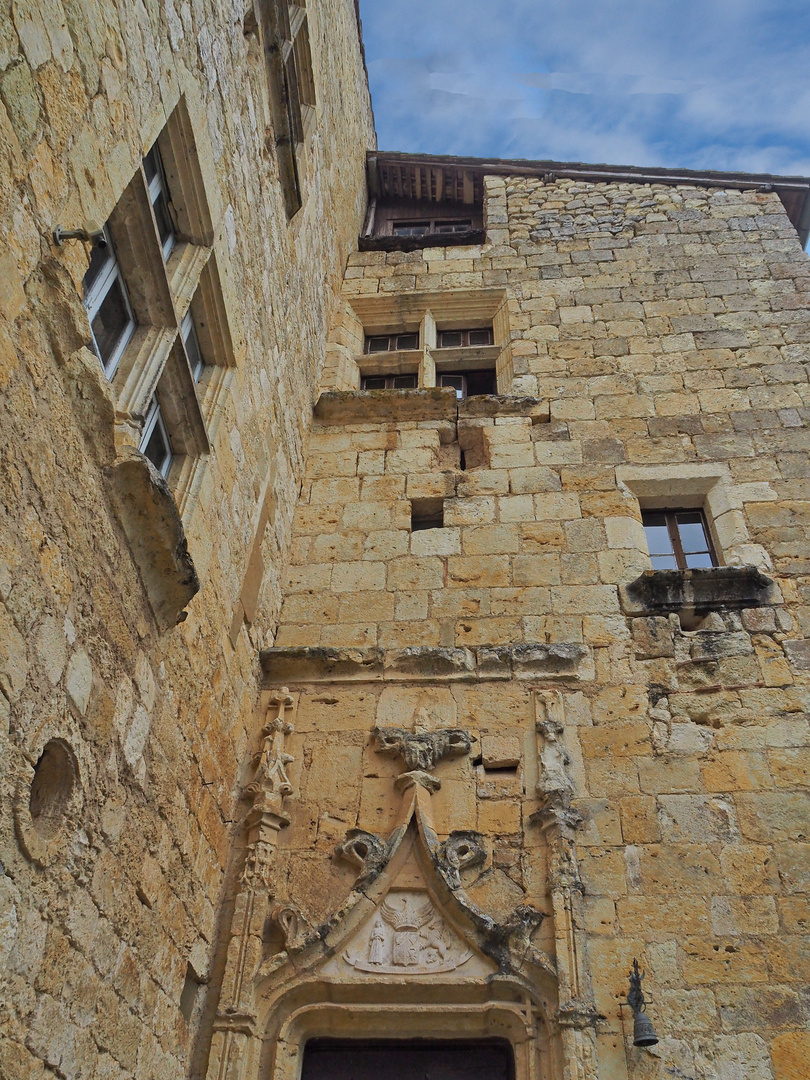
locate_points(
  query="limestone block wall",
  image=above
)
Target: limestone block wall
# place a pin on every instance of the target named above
(662, 334)
(112, 865)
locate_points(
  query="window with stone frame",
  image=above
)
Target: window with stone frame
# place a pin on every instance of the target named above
(154, 304)
(278, 32)
(678, 539)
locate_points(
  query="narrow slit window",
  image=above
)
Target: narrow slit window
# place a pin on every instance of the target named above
(678, 539)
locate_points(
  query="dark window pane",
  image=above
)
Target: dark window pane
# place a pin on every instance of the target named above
(378, 344)
(374, 382)
(164, 224)
(150, 165)
(411, 228)
(452, 226)
(193, 351)
(111, 322)
(158, 448)
(457, 383)
(449, 339)
(404, 382)
(407, 341)
(480, 337)
(99, 258)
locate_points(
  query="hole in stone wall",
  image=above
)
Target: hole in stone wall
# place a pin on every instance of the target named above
(55, 776)
(501, 770)
(427, 514)
(191, 989)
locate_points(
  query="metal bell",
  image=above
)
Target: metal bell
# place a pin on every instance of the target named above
(643, 1031)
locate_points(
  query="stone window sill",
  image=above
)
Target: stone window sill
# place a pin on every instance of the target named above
(414, 243)
(718, 588)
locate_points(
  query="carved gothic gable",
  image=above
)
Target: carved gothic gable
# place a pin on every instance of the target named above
(409, 934)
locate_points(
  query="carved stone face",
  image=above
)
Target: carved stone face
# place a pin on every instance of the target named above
(422, 749)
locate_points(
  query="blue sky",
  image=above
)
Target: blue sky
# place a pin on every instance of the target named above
(702, 84)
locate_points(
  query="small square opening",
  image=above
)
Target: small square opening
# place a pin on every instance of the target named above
(427, 514)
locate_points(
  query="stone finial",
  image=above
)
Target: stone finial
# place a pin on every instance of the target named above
(271, 772)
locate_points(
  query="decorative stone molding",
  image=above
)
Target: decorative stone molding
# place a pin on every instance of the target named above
(267, 791)
(576, 1015)
(408, 936)
(365, 850)
(564, 661)
(422, 750)
(292, 925)
(462, 850)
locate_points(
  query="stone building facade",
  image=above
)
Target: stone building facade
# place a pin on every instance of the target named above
(364, 683)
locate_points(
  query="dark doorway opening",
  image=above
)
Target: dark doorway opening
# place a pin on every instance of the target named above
(408, 1059)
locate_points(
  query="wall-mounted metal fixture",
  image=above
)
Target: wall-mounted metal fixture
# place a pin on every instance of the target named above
(90, 232)
(643, 1031)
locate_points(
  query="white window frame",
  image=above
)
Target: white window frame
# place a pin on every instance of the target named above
(154, 419)
(188, 332)
(157, 186)
(109, 273)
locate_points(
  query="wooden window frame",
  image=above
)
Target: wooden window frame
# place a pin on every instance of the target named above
(670, 516)
(390, 381)
(465, 337)
(393, 342)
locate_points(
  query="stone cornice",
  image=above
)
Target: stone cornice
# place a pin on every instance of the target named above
(569, 661)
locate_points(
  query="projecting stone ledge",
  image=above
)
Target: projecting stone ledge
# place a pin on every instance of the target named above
(717, 588)
(149, 517)
(386, 406)
(427, 663)
(433, 403)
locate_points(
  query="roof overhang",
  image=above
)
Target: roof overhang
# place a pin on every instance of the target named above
(460, 179)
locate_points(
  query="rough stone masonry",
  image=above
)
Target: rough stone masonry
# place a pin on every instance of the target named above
(279, 762)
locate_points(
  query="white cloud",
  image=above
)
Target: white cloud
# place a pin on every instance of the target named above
(701, 83)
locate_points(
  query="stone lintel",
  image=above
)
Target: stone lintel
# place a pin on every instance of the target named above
(427, 663)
